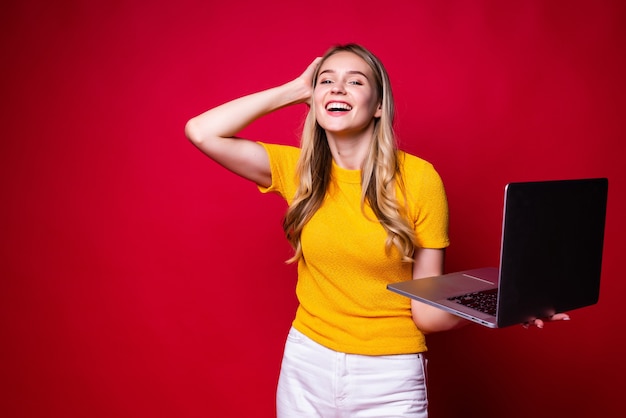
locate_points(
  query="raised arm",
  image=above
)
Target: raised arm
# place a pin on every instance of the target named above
(214, 131)
(428, 263)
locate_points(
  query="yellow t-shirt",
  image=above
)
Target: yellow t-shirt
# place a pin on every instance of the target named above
(343, 300)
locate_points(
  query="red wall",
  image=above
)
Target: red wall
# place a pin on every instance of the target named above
(138, 279)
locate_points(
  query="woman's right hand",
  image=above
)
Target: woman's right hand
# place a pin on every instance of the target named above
(307, 79)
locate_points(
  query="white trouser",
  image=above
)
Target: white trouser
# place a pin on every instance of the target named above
(318, 382)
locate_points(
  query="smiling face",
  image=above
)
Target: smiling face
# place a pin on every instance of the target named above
(345, 96)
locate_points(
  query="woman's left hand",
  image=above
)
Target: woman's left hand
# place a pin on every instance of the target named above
(540, 322)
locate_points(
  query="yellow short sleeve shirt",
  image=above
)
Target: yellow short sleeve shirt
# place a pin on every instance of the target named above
(343, 300)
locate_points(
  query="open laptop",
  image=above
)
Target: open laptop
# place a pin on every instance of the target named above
(550, 257)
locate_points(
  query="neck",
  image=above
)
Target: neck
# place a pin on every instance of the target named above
(349, 151)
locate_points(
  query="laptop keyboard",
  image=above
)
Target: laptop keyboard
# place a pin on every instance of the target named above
(484, 301)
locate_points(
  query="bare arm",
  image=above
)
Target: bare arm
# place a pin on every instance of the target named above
(428, 263)
(214, 131)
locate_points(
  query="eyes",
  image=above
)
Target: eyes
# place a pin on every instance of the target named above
(354, 82)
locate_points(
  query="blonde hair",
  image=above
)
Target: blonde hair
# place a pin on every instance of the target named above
(380, 173)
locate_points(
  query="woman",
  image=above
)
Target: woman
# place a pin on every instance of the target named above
(361, 214)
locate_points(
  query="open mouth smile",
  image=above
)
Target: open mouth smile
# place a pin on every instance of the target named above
(338, 107)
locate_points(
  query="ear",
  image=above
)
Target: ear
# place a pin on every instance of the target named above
(379, 110)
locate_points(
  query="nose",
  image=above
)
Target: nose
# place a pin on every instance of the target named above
(338, 88)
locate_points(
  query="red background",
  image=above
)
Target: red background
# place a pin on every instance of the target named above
(139, 279)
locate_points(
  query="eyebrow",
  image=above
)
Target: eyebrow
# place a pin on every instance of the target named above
(349, 72)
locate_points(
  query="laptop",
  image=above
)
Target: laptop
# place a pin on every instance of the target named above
(550, 258)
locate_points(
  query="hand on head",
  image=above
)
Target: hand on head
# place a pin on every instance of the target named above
(308, 75)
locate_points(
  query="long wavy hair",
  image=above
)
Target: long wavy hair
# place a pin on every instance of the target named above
(380, 173)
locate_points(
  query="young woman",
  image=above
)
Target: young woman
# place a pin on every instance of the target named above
(361, 214)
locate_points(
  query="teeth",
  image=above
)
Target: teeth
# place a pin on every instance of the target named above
(338, 106)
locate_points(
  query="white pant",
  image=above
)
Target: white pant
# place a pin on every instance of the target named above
(318, 382)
